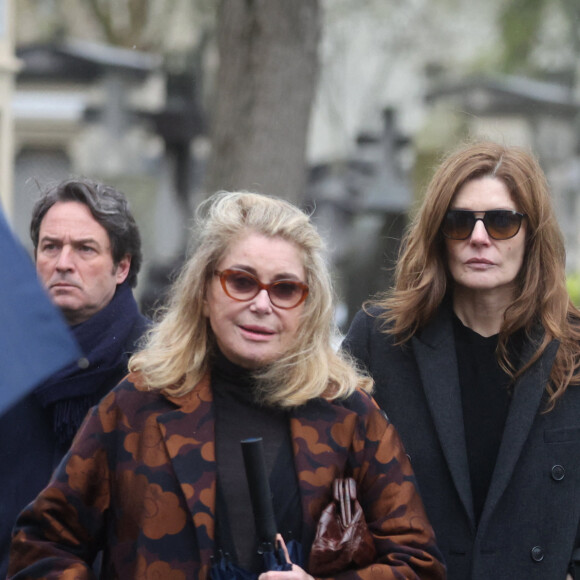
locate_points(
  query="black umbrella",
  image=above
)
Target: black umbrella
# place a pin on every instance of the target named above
(261, 496)
(273, 556)
(35, 341)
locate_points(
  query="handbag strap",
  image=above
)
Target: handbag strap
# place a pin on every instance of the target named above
(345, 494)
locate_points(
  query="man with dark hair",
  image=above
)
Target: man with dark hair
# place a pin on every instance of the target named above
(87, 250)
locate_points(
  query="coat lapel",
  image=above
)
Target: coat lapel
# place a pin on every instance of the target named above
(189, 437)
(524, 407)
(437, 361)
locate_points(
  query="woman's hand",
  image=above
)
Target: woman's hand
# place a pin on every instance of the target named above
(296, 573)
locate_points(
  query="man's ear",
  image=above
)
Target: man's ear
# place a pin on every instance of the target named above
(122, 269)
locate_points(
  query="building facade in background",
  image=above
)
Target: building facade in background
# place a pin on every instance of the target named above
(8, 68)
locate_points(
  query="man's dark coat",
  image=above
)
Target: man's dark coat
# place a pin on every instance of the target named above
(30, 449)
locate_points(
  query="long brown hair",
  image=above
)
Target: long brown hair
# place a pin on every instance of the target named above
(422, 279)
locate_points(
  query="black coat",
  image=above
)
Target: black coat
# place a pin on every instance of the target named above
(529, 526)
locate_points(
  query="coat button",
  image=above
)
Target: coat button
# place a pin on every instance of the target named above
(558, 473)
(83, 363)
(537, 554)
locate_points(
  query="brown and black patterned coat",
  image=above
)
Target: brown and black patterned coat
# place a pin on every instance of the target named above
(140, 482)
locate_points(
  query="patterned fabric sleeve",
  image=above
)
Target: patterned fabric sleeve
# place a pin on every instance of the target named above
(386, 485)
(395, 514)
(57, 535)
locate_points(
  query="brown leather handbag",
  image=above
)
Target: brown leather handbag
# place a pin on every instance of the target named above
(343, 540)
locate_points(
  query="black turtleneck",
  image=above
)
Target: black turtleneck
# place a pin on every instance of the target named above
(485, 396)
(239, 417)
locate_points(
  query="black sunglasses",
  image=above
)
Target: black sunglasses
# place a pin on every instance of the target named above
(500, 224)
(243, 286)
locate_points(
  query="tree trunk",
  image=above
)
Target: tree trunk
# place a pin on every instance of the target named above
(267, 75)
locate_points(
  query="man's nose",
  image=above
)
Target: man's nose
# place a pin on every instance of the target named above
(65, 259)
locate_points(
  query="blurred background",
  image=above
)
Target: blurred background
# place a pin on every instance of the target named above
(341, 106)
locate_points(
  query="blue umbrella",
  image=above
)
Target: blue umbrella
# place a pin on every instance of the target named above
(35, 341)
(272, 559)
(224, 569)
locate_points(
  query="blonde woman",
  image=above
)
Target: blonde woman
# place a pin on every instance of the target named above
(475, 355)
(156, 477)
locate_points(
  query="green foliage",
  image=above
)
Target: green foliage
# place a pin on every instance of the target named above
(573, 285)
(520, 22)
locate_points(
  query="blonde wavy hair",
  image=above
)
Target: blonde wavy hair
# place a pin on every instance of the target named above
(422, 279)
(178, 349)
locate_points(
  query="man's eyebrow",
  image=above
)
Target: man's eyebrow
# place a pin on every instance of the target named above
(75, 242)
(82, 241)
(47, 238)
